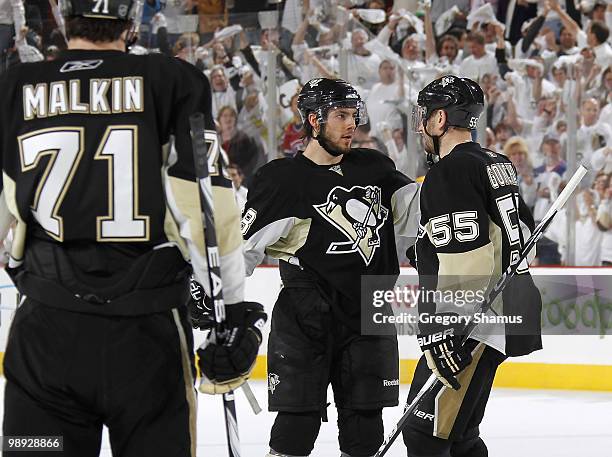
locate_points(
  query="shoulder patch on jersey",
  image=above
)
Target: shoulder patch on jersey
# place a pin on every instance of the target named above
(79, 65)
(359, 214)
(489, 152)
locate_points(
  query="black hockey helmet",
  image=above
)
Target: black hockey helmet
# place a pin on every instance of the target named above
(320, 95)
(461, 98)
(125, 10)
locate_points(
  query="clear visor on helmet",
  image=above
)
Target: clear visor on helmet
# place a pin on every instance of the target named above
(136, 13)
(341, 109)
(418, 117)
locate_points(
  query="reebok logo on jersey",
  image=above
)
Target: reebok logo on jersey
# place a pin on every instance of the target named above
(359, 214)
(389, 383)
(78, 65)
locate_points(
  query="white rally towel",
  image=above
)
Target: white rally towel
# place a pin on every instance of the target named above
(483, 15)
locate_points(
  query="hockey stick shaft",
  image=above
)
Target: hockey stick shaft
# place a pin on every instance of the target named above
(198, 128)
(538, 232)
(200, 158)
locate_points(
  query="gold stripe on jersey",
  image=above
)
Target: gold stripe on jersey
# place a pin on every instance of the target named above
(227, 221)
(186, 197)
(286, 247)
(449, 401)
(19, 233)
(495, 235)
(172, 232)
(186, 361)
(477, 262)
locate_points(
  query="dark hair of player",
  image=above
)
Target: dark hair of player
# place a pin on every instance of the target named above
(95, 30)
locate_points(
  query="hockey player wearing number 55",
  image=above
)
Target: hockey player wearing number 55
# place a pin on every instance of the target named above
(98, 174)
(329, 215)
(473, 224)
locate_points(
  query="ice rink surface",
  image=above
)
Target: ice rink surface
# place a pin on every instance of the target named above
(517, 423)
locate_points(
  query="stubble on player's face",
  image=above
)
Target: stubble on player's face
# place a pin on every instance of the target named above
(340, 128)
(426, 139)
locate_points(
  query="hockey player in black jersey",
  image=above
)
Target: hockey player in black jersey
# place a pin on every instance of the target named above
(473, 224)
(329, 216)
(98, 178)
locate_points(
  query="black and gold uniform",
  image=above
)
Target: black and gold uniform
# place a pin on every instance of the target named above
(328, 225)
(473, 226)
(98, 178)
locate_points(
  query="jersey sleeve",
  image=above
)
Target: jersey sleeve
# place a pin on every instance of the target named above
(267, 217)
(183, 222)
(405, 206)
(404, 196)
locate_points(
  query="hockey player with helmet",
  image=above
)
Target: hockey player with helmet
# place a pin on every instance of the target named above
(329, 215)
(473, 225)
(98, 175)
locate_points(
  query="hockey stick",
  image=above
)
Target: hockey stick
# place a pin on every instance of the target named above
(200, 154)
(200, 158)
(503, 281)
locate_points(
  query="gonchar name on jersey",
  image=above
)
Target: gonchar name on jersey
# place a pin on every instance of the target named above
(473, 225)
(336, 221)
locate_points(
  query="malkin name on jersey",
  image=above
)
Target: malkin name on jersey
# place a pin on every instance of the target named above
(106, 96)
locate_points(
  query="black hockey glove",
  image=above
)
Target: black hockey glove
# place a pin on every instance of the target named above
(228, 363)
(201, 312)
(442, 348)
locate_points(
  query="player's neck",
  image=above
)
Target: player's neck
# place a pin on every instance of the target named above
(452, 139)
(318, 155)
(79, 43)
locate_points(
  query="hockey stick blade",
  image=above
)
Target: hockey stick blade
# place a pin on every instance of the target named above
(538, 232)
(248, 393)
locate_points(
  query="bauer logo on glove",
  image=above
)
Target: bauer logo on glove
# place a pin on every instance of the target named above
(445, 355)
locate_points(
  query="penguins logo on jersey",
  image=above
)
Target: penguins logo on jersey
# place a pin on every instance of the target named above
(273, 381)
(359, 214)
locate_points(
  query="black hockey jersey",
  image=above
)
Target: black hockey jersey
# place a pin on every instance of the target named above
(96, 150)
(336, 221)
(473, 224)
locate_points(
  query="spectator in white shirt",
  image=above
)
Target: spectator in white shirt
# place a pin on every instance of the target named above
(384, 97)
(480, 62)
(567, 42)
(362, 64)
(604, 222)
(237, 177)
(517, 151)
(222, 93)
(588, 235)
(592, 134)
(597, 36)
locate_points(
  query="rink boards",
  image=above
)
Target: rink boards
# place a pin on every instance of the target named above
(567, 362)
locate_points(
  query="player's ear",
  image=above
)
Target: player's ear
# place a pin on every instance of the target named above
(314, 122)
(441, 117)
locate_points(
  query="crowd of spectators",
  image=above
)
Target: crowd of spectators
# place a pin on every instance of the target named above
(538, 61)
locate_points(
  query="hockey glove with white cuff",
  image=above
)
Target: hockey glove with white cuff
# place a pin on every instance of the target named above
(228, 362)
(445, 355)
